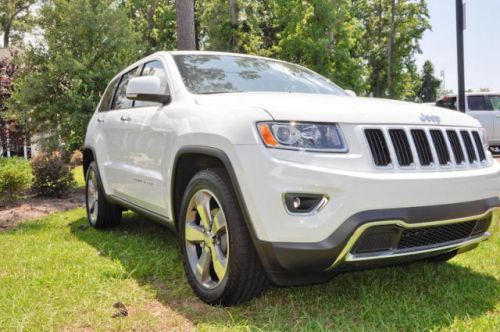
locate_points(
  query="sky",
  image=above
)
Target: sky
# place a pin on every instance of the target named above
(481, 43)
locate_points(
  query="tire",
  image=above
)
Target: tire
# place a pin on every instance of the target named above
(443, 257)
(101, 213)
(233, 273)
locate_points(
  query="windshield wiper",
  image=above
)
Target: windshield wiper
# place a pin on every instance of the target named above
(218, 92)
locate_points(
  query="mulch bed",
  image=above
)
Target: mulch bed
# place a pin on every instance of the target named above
(37, 207)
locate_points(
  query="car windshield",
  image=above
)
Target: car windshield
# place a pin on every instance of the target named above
(214, 73)
(495, 102)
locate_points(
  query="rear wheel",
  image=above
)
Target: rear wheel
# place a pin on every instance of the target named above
(219, 258)
(100, 212)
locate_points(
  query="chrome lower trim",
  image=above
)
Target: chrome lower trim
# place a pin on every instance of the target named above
(390, 254)
(346, 256)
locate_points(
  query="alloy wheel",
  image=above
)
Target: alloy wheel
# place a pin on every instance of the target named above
(206, 239)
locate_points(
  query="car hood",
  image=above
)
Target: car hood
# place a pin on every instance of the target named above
(340, 109)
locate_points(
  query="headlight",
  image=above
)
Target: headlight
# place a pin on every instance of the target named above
(302, 136)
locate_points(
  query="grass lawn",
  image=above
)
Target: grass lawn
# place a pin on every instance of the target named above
(78, 175)
(59, 274)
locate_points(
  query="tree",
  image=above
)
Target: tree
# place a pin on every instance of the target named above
(324, 36)
(430, 85)
(186, 36)
(392, 31)
(85, 43)
(155, 21)
(13, 13)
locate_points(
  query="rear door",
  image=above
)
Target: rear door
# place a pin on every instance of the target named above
(479, 107)
(495, 105)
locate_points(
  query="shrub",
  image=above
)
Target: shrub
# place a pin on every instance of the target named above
(76, 158)
(15, 179)
(53, 177)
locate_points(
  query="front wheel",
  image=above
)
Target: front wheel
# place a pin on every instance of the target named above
(220, 260)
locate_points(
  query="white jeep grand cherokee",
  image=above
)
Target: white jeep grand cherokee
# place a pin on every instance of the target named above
(271, 173)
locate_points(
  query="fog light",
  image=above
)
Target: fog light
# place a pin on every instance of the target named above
(304, 203)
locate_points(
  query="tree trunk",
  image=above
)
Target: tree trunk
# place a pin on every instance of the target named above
(186, 39)
(150, 18)
(390, 49)
(6, 35)
(377, 67)
(233, 11)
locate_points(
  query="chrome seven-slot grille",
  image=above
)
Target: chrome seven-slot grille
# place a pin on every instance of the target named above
(425, 147)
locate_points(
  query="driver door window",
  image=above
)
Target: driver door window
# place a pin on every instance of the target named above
(154, 68)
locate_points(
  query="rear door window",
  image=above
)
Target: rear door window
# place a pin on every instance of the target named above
(478, 103)
(121, 101)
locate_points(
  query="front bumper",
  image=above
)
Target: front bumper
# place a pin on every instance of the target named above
(295, 264)
(298, 249)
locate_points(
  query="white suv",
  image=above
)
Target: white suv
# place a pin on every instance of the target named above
(271, 173)
(485, 107)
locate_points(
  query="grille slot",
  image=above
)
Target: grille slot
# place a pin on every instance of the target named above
(441, 148)
(378, 147)
(471, 153)
(401, 147)
(456, 146)
(479, 146)
(420, 237)
(422, 146)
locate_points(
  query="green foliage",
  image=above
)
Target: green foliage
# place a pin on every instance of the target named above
(154, 20)
(15, 19)
(365, 45)
(15, 179)
(53, 177)
(428, 91)
(85, 43)
(390, 42)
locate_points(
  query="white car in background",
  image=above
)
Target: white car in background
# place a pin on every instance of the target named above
(485, 107)
(270, 173)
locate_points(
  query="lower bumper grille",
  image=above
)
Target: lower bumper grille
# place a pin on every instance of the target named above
(420, 237)
(384, 238)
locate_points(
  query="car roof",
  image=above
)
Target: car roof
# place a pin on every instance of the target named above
(472, 94)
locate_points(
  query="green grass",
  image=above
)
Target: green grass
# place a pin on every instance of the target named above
(78, 175)
(56, 274)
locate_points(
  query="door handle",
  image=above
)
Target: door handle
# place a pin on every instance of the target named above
(125, 118)
(100, 120)
(497, 116)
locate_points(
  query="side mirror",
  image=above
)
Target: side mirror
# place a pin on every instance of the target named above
(350, 93)
(147, 88)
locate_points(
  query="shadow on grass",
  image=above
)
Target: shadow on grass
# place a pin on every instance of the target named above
(418, 296)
